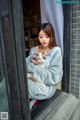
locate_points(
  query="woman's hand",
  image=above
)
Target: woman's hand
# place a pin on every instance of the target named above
(35, 61)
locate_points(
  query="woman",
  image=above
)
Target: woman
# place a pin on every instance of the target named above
(52, 73)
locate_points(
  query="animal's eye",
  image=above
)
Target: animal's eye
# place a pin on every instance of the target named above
(44, 57)
(43, 53)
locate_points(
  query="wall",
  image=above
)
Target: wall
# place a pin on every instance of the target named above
(74, 88)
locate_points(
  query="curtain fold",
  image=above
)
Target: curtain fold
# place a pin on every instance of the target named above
(52, 12)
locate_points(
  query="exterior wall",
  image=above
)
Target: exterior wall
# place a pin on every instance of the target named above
(74, 86)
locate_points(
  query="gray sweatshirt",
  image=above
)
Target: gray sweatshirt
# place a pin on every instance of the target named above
(48, 76)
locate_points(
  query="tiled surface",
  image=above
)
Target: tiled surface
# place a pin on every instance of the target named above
(75, 52)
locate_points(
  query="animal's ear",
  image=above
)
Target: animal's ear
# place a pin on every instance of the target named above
(44, 56)
(44, 53)
(36, 54)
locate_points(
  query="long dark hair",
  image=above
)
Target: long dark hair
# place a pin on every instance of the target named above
(48, 30)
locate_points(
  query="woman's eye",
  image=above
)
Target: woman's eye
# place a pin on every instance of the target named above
(43, 37)
(47, 36)
(40, 37)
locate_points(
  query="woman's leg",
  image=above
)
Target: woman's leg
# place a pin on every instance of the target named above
(40, 91)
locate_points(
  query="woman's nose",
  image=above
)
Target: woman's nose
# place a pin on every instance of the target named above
(44, 38)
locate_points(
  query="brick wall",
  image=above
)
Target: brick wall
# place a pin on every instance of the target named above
(75, 51)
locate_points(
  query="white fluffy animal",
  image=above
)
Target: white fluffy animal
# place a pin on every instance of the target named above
(41, 57)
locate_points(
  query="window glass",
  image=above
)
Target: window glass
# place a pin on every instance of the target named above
(4, 106)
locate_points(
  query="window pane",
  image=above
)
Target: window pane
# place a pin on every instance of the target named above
(4, 106)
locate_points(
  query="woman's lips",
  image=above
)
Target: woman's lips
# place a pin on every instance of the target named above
(44, 43)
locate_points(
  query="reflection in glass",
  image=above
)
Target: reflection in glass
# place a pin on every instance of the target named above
(4, 107)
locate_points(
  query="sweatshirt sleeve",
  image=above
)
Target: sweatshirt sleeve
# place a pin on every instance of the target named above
(29, 58)
(50, 75)
(32, 51)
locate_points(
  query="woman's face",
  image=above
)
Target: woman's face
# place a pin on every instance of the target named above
(44, 39)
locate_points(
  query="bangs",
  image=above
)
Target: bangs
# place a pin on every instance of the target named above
(47, 32)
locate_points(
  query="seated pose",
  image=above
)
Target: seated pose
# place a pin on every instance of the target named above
(45, 78)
